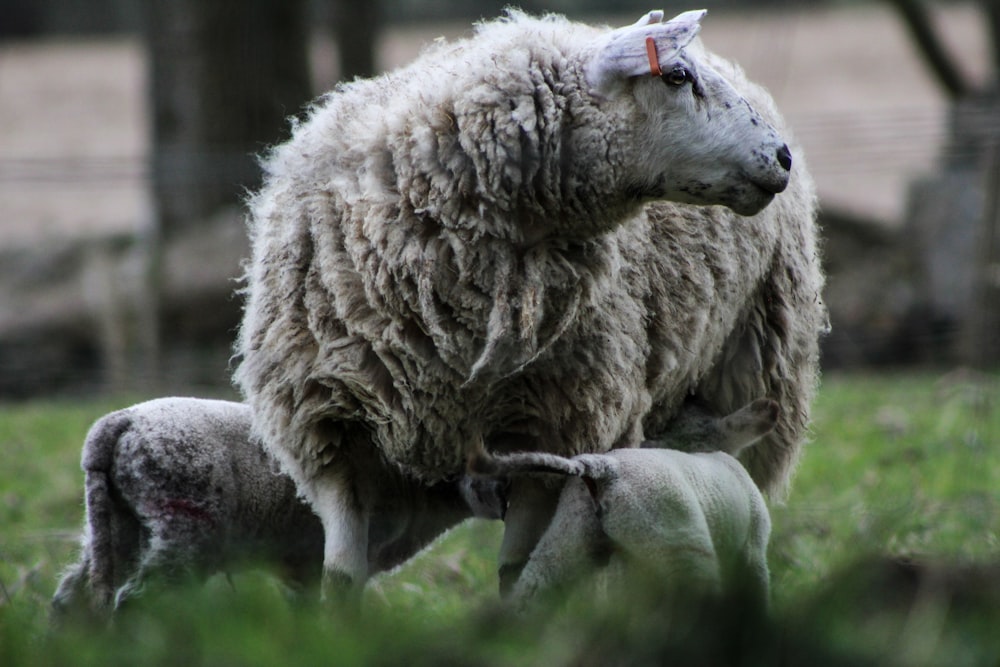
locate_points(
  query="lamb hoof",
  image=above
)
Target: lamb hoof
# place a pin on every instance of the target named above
(509, 573)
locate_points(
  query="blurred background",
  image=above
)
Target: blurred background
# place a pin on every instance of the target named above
(129, 130)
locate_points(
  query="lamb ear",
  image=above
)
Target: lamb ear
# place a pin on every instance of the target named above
(623, 53)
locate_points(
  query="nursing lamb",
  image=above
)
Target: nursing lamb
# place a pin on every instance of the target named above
(671, 520)
(176, 487)
(523, 238)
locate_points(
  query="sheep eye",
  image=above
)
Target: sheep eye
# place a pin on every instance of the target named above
(678, 76)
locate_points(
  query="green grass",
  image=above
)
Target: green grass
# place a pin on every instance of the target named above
(902, 465)
(898, 466)
(40, 493)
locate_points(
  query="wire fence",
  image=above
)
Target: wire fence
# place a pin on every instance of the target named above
(878, 148)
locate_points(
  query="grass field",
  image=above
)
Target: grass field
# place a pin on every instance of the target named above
(887, 551)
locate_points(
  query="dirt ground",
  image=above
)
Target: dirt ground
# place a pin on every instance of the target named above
(73, 126)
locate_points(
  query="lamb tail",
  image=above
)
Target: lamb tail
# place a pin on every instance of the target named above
(98, 456)
(483, 463)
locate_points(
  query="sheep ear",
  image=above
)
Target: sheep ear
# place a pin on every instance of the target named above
(655, 16)
(624, 53)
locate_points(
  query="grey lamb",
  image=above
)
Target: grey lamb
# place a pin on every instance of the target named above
(692, 521)
(177, 487)
(545, 236)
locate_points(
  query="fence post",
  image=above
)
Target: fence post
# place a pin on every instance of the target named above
(982, 340)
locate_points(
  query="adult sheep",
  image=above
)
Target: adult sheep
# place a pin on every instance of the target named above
(524, 238)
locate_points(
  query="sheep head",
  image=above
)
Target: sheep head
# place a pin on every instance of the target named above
(695, 139)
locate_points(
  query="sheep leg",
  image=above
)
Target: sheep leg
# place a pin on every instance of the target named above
(71, 590)
(70, 585)
(530, 507)
(175, 552)
(572, 546)
(692, 567)
(345, 528)
(755, 581)
(154, 561)
(671, 538)
(752, 576)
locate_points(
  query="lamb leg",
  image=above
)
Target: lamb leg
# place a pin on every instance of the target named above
(532, 502)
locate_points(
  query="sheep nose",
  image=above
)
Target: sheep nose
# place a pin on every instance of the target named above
(785, 157)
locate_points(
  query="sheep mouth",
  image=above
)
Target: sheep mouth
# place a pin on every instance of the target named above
(742, 194)
(774, 187)
(752, 200)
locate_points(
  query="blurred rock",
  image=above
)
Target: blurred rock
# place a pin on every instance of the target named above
(74, 315)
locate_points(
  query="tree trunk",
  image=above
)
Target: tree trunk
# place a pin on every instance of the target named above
(355, 29)
(955, 214)
(942, 67)
(224, 76)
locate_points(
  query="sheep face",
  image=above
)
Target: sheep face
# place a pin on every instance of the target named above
(696, 139)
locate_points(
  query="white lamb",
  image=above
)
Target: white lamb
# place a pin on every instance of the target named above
(690, 522)
(176, 487)
(523, 238)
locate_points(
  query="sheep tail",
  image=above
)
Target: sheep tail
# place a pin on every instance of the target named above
(97, 460)
(483, 463)
(597, 469)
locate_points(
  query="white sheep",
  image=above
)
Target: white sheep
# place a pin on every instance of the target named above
(524, 238)
(691, 522)
(176, 487)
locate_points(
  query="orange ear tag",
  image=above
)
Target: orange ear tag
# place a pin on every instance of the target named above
(654, 62)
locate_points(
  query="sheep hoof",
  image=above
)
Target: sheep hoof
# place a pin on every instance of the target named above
(337, 586)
